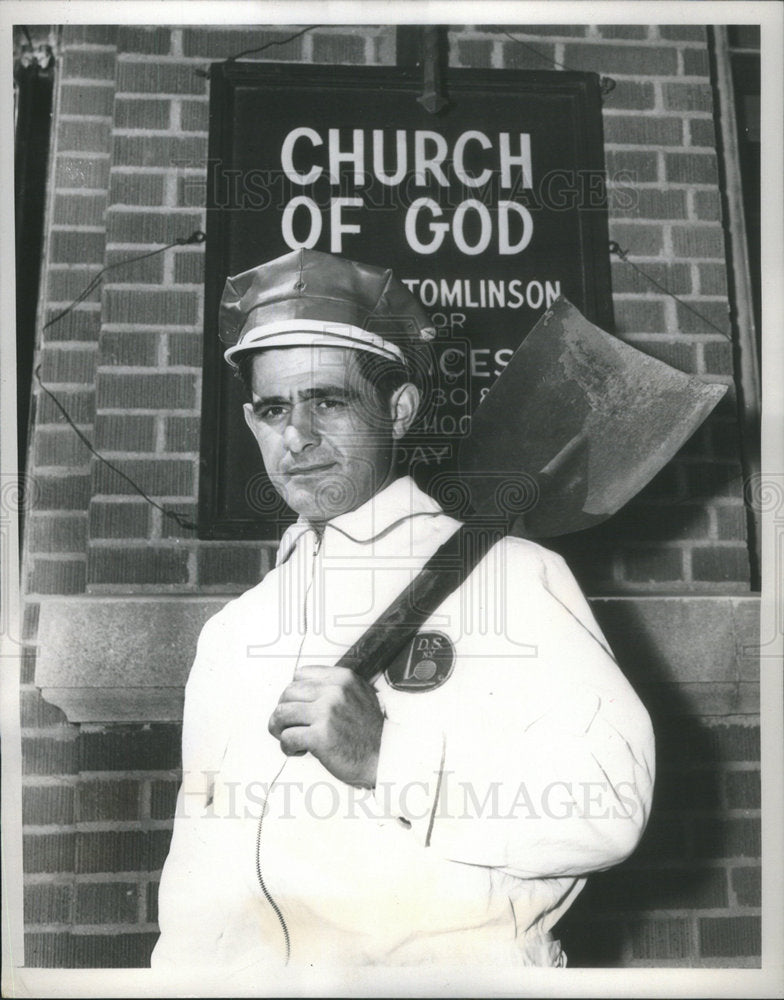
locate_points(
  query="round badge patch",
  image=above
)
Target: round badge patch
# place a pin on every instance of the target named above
(424, 664)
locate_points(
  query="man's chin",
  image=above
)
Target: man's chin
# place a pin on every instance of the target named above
(319, 501)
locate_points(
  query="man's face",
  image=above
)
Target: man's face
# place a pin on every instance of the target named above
(325, 437)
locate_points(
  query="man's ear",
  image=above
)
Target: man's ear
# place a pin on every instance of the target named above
(403, 407)
(247, 409)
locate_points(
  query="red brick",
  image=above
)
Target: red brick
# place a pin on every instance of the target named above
(185, 349)
(66, 533)
(156, 476)
(87, 99)
(651, 203)
(743, 789)
(79, 209)
(57, 576)
(147, 40)
(229, 564)
(45, 805)
(710, 479)
(639, 316)
(195, 116)
(731, 523)
(718, 356)
(719, 564)
(642, 166)
(107, 800)
(59, 446)
(137, 189)
(148, 307)
(112, 951)
(631, 95)
(127, 271)
(643, 130)
(695, 62)
(49, 950)
(713, 279)
(158, 150)
(151, 227)
(121, 850)
(727, 838)
(73, 365)
(702, 132)
(48, 852)
(152, 902)
(189, 268)
(76, 247)
(159, 78)
(691, 168)
(675, 277)
(125, 432)
(747, 885)
(653, 565)
(80, 324)
(688, 97)
(27, 670)
(170, 528)
(706, 317)
(142, 114)
(192, 189)
(213, 43)
(90, 65)
(148, 565)
(63, 492)
(530, 55)
(730, 936)
(129, 348)
(621, 890)
(163, 797)
(647, 522)
(661, 938)
(698, 241)
(631, 31)
(521, 31)
(474, 52)
(182, 434)
(630, 60)
(146, 392)
(106, 903)
(82, 172)
(72, 283)
(130, 748)
(87, 135)
(93, 34)
(683, 32)
(47, 904)
(638, 239)
(119, 520)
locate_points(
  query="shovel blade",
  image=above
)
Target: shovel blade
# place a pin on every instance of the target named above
(576, 425)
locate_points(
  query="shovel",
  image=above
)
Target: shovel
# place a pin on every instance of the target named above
(576, 425)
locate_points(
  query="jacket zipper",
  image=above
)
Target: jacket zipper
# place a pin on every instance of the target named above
(259, 875)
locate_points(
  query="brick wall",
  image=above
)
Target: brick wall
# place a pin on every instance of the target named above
(130, 145)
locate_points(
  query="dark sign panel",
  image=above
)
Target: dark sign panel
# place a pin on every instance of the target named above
(487, 211)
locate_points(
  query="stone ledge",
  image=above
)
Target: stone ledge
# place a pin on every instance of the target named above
(126, 659)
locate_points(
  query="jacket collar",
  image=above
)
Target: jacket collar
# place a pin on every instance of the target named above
(397, 502)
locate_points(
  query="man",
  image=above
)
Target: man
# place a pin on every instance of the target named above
(448, 810)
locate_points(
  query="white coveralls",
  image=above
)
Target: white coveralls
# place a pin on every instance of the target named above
(515, 758)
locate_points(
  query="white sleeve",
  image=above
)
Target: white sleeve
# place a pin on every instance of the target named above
(204, 738)
(547, 766)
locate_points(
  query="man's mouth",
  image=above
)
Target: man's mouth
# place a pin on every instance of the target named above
(307, 470)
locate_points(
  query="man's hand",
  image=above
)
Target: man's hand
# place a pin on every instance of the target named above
(335, 715)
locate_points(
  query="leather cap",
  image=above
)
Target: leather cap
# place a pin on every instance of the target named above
(308, 297)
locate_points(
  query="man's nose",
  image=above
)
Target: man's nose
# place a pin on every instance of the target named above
(300, 433)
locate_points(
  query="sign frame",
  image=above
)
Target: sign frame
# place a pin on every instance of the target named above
(226, 79)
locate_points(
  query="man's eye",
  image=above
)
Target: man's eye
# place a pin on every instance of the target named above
(330, 404)
(271, 412)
